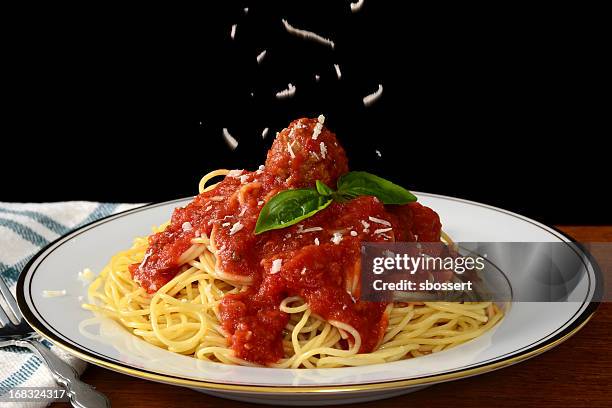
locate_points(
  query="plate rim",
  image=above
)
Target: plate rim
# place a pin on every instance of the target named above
(580, 321)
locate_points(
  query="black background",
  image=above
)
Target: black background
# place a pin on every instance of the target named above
(498, 105)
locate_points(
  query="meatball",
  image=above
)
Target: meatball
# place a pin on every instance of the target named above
(300, 155)
(416, 223)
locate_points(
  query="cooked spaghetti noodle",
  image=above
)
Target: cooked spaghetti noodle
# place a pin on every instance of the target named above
(182, 316)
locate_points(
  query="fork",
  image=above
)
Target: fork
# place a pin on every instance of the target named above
(15, 331)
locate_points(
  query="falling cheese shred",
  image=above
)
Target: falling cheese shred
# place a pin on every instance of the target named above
(356, 6)
(286, 93)
(261, 56)
(229, 139)
(308, 35)
(373, 97)
(338, 72)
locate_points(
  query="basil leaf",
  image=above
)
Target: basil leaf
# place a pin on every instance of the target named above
(323, 189)
(358, 183)
(290, 207)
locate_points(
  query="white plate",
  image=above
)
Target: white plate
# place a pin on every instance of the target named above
(527, 329)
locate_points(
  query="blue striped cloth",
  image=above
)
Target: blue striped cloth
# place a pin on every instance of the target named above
(25, 229)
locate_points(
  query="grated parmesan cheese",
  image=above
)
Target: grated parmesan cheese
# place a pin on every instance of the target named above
(53, 293)
(264, 133)
(373, 97)
(226, 224)
(336, 238)
(290, 149)
(186, 226)
(316, 241)
(301, 229)
(378, 153)
(323, 149)
(208, 208)
(217, 198)
(382, 230)
(261, 56)
(276, 266)
(338, 73)
(356, 6)
(318, 127)
(235, 173)
(243, 179)
(353, 233)
(286, 93)
(380, 221)
(233, 31)
(86, 276)
(260, 202)
(307, 35)
(242, 212)
(236, 227)
(229, 139)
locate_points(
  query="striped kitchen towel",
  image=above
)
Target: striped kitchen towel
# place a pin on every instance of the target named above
(25, 229)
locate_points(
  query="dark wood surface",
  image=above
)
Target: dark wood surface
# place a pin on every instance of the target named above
(578, 373)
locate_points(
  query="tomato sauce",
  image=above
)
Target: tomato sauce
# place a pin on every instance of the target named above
(319, 257)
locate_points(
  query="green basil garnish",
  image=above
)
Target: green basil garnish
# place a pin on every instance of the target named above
(292, 206)
(323, 189)
(360, 183)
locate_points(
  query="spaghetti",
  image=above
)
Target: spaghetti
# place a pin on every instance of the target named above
(203, 306)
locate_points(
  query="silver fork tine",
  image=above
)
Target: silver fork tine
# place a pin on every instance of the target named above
(4, 319)
(10, 300)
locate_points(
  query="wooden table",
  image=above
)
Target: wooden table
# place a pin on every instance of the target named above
(578, 373)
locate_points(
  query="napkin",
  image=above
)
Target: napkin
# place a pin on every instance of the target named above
(25, 228)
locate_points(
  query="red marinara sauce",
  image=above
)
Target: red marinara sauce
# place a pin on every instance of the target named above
(319, 257)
